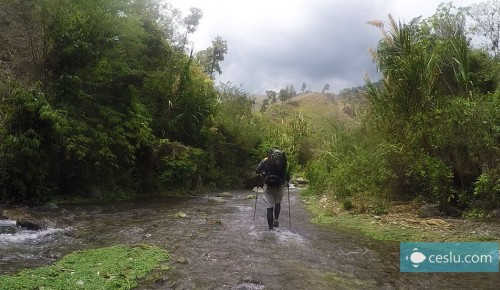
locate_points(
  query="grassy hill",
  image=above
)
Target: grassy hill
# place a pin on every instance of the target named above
(323, 111)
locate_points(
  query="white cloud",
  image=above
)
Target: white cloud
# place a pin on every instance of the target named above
(272, 44)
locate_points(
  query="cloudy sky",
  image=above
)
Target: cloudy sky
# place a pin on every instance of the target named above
(275, 43)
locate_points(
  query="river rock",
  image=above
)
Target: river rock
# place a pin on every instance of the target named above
(180, 214)
(15, 213)
(24, 219)
(250, 196)
(428, 210)
(225, 194)
(301, 181)
(31, 224)
(216, 200)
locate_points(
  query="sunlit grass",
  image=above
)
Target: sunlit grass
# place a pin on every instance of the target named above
(365, 224)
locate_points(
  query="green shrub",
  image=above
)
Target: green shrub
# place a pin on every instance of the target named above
(353, 167)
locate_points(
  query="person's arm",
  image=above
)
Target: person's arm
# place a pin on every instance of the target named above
(261, 167)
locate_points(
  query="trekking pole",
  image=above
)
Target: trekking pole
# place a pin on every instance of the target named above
(289, 214)
(255, 207)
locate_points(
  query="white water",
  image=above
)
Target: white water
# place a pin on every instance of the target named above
(7, 223)
(24, 236)
(12, 236)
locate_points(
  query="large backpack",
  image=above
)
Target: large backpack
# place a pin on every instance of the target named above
(276, 170)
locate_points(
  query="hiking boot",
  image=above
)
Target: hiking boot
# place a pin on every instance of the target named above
(276, 224)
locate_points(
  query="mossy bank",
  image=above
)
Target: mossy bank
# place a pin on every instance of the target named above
(115, 267)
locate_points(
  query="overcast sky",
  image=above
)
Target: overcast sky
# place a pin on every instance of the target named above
(275, 43)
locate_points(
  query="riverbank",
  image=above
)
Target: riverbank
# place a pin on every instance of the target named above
(116, 267)
(401, 223)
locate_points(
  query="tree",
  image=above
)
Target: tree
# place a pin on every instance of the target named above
(191, 23)
(271, 96)
(486, 26)
(283, 95)
(210, 58)
(264, 106)
(325, 88)
(291, 91)
(446, 23)
(116, 90)
(303, 88)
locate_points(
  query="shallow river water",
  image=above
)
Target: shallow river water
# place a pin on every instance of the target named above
(219, 245)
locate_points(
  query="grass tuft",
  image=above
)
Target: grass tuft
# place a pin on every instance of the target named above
(115, 267)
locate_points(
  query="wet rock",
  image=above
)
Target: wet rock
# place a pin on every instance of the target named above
(2, 216)
(216, 222)
(180, 214)
(250, 196)
(32, 224)
(15, 213)
(53, 255)
(428, 210)
(215, 200)
(301, 181)
(225, 194)
(248, 286)
(248, 283)
(24, 219)
(257, 189)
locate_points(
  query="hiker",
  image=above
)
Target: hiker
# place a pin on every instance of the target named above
(274, 168)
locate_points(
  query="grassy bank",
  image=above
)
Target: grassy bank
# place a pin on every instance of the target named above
(401, 223)
(116, 267)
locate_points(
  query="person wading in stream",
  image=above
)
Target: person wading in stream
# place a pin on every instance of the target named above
(276, 174)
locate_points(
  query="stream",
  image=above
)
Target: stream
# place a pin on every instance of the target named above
(215, 243)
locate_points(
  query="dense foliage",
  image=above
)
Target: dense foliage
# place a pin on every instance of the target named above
(432, 128)
(98, 97)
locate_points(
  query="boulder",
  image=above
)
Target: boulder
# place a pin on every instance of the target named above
(24, 219)
(31, 224)
(428, 210)
(216, 200)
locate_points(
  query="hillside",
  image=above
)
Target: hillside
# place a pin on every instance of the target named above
(324, 111)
